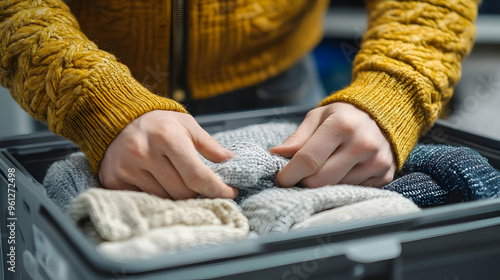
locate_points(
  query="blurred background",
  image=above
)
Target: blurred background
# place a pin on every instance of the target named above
(475, 105)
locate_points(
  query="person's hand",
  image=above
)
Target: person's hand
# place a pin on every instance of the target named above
(336, 144)
(157, 153)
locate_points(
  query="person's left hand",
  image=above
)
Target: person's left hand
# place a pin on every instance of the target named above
(336, 144)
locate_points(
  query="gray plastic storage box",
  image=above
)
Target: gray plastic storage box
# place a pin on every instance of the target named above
(454, 242)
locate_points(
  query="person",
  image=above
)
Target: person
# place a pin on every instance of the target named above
(403, 74)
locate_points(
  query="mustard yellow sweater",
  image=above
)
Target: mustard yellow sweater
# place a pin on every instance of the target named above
(406, 69)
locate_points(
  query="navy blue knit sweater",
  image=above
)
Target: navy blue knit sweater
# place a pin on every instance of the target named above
(439, 174)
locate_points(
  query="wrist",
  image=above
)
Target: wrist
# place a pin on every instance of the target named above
(111, 98)
(392, 103)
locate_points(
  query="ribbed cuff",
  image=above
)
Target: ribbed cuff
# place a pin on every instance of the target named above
(392, 103)
(110, 98)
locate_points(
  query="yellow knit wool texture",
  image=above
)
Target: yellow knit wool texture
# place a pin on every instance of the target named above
(408, 64)
(57, 75)
(406, 69)
(234, 44)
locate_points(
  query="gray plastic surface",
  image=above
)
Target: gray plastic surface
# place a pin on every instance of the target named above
(438, 243)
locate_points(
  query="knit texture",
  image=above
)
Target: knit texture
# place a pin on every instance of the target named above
(241, 43)
(59, 76)
(433, 174)
(127, 224)
(272, 209)
(280, 210)
(66, 179)
(407, 66)
(252, 168)
(441, 174)
(420, 188)
(147, 225)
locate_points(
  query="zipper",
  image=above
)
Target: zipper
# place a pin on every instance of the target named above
(178, 50)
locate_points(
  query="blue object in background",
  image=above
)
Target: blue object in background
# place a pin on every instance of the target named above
(334, 56)
(490, 7)
(334, 60)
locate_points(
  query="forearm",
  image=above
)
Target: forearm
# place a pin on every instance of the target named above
(57, 75)
(408, 64)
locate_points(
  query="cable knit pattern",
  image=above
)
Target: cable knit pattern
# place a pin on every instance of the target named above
(127, 224)
(57, 75)
(234, 44)
(408, 64)
(406, 69)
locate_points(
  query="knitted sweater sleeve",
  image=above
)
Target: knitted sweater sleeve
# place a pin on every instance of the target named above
(59, 76)
(408, 64)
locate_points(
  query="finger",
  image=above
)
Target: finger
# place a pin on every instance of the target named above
(113, 181)
(167, 177)
(380, 166)
(311, 157)
(195, 174)
(206, 145)
(299, 137)
(147, 183)
(356, 175)
(337, 166)
(364, 172)
(141, 180)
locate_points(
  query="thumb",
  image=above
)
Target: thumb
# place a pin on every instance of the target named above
(299, 137)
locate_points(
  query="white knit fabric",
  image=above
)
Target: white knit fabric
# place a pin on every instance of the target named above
(363, 210)
(128, 224)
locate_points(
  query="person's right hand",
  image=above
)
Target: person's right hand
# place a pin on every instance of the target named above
(157, 153)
